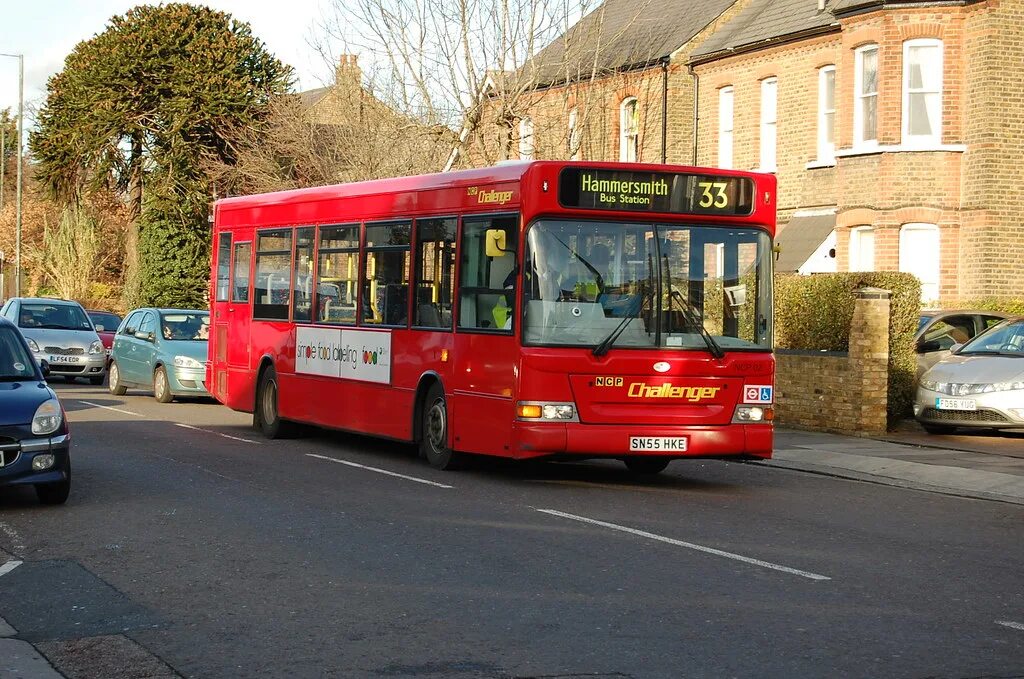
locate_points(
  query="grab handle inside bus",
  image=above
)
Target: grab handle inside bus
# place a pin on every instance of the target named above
(494, 245)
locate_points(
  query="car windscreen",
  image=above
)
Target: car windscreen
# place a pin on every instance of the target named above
(53, 317)
(187, 326)
(104, 322)
(15, 362)
(1004, 340)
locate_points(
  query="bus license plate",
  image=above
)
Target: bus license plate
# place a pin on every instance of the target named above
(640, 444)
(956, 404)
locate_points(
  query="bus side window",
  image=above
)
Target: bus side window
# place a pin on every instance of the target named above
(487, 285)
(386, 285)
(240, 275)
(223, 267)
(435, 272)
(273, 274)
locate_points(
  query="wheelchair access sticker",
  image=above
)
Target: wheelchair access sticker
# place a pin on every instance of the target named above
(757, 393)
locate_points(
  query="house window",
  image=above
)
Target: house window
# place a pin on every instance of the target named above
(919, 255)
(922, 92)
(574, 135)
(862, 249)
(629, 136)
(865, 111)
(827, 113)
(526, 146)
(769, 111)
(725, 127)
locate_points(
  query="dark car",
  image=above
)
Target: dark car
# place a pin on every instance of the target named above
(34, 441)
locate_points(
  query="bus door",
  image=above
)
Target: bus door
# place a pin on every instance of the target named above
(482, 409)
(232, 317)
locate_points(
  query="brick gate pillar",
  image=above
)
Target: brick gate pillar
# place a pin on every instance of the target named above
(869, 360)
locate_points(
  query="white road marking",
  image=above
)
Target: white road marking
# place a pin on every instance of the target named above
(379, 471)
(233, 438)
(9, 566)
(1011, 625)
(116, 410)
(688, 545)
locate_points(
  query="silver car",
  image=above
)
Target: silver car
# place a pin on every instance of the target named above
(59, 332)
(980, 384)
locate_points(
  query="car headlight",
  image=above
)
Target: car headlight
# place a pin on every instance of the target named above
(546, 411)
(32, 345)
(930, 385)
(48, 417)
(186, 362)
(96, 347)
(1004, 386)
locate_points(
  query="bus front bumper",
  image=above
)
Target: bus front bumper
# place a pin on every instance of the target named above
(550, 439)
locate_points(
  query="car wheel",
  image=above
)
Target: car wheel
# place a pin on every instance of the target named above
(938, 428)
(266, 415)
(434, 441)
(161, 387)
(646, 465)
(114, 385)
(55, 493)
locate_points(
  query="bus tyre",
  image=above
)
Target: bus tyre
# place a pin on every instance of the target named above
(266, 414)
(161, 387)
(434, 442)
(646, 465)
(114, 384)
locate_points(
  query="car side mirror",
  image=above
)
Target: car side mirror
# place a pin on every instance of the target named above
(955, 348)
(926, 347)
(147, 336)
(44, 366)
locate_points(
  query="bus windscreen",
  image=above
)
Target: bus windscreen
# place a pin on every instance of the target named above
(666, 192)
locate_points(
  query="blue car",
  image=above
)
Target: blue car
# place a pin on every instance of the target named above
(163, 350)
(34, 441)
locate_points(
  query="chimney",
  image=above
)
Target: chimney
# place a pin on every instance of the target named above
(348, 73)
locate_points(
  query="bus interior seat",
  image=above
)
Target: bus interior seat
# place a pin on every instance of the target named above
(428, 316)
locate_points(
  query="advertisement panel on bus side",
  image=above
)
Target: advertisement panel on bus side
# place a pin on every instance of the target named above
(363, 355)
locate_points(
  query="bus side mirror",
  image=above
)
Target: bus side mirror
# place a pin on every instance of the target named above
(494, 245)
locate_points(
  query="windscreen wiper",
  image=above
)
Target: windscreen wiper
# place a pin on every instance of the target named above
(602, 348)
(691, 318)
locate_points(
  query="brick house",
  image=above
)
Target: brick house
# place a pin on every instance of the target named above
(895, 127)
(898, 123)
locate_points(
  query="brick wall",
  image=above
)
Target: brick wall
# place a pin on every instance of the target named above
(837, 392)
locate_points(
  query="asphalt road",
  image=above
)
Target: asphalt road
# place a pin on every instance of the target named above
(190, 540)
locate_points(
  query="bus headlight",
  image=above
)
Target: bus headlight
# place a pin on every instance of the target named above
(534, 410)
(753, 414)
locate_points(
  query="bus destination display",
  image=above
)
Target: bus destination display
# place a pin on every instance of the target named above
(656, 192)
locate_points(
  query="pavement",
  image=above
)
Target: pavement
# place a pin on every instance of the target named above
(983, 466)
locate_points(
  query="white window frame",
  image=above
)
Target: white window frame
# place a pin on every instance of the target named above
(935, 138)
(856, 254)
(726, 101)
(768, 157)
(629, 131)
(826, 115)
(527, 148)
(911, 254)
(574, 135)
(860, 97)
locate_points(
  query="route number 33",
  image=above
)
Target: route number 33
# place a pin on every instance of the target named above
(713, 194)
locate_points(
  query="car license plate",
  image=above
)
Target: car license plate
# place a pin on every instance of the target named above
(640, 444)
(63, 359)
(956, 404)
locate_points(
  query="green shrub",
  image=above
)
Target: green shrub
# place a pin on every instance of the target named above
(815, 312)
(1013, 306)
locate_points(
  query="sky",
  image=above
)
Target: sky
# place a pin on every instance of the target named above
(46, 31)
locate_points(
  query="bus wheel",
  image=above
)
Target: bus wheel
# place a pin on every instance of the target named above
(434, 444)
(267, 418)
(646, 465)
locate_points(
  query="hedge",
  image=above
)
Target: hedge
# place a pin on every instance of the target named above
(1014, 307)
(815, 312)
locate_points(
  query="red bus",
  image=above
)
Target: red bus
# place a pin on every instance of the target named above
(541, 309)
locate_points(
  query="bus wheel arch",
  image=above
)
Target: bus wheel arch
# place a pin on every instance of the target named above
(427, 380)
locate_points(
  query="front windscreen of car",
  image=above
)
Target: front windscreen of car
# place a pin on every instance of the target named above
(104, 321)
(186, 326)
(15, 362)
(1001, 340)
(52, 316)
(681, 284)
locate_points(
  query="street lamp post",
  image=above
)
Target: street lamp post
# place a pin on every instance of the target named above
(21, 142)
